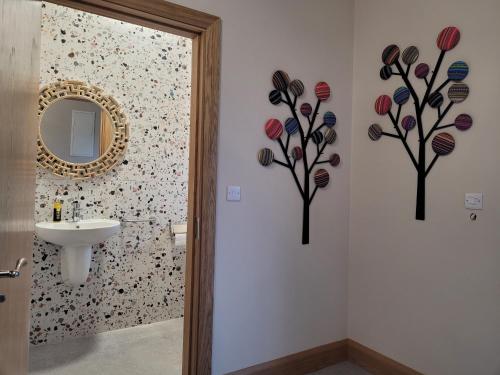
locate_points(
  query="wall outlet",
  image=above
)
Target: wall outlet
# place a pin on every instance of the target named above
(233, 193)
(474, 201)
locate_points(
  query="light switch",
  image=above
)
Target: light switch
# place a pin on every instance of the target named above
(474, 201)
(233, 193)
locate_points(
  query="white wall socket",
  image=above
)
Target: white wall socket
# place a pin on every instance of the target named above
(474, 201)
(233, 193)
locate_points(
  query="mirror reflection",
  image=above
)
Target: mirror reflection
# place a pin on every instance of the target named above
(76, 130)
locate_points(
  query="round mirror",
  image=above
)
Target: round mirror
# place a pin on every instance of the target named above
(82, 133)
(76, 130)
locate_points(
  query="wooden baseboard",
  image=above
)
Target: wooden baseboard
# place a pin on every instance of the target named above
(374, 362)
(301, 363)
(328, 355)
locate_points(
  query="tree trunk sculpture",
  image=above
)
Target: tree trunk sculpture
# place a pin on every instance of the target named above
(442, 143)
(288, 92)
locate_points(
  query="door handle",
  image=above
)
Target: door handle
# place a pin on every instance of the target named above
(16, 272)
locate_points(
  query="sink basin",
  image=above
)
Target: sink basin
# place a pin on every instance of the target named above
(77, 239)
(83, 232)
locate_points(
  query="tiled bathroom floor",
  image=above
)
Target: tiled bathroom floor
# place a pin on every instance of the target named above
(151, 349)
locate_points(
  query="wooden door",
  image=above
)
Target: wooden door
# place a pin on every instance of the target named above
(19, 74)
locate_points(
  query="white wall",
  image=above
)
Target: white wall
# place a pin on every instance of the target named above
(423, 293)
(274, 296)
(427, 293)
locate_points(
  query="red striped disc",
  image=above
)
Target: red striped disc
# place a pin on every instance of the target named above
(273, 128)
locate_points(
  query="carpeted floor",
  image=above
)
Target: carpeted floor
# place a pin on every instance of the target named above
(344, 368)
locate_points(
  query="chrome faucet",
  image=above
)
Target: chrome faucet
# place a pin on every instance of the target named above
(76, 211)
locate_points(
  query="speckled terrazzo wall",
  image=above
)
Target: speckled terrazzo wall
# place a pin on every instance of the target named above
(136, 277)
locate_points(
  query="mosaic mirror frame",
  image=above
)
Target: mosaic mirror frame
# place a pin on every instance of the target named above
(75, 89)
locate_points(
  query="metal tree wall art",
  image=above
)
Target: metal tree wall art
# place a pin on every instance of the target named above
(318, 137)
(442, 143)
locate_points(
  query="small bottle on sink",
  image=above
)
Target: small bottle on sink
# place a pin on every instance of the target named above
(57, 212)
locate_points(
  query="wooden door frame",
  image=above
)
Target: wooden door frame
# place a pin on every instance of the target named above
(205, 32)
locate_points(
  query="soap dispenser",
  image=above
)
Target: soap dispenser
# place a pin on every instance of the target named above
(57, 212)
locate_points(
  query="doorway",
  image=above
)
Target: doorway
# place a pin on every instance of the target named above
(126, 314)
(204, 32)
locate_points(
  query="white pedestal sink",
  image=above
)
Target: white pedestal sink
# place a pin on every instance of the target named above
(77, 239)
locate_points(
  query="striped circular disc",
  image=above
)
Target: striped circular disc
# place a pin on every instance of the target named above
(408, 122)
(463, 122)
(273, 128)
(410, 55)
(280, 80)
(443, 144)
(436, 99)
(375, 132)
(296, 153)
(334, 160)
(291, 126)
(448, 38)
(275, 97)
(458, 71)
(297, 87)
(422, 70)
(330, 135)
(385, 72)
(458, 92)
(329, 119)
(401, 95)
(383, 104)
(265, 156)
(317, 137)
(321, 178)
(390, 54)
(306, 109)
(322, 91)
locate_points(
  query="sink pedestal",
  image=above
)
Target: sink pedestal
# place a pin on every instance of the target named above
(75, 264)
(76, 239)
